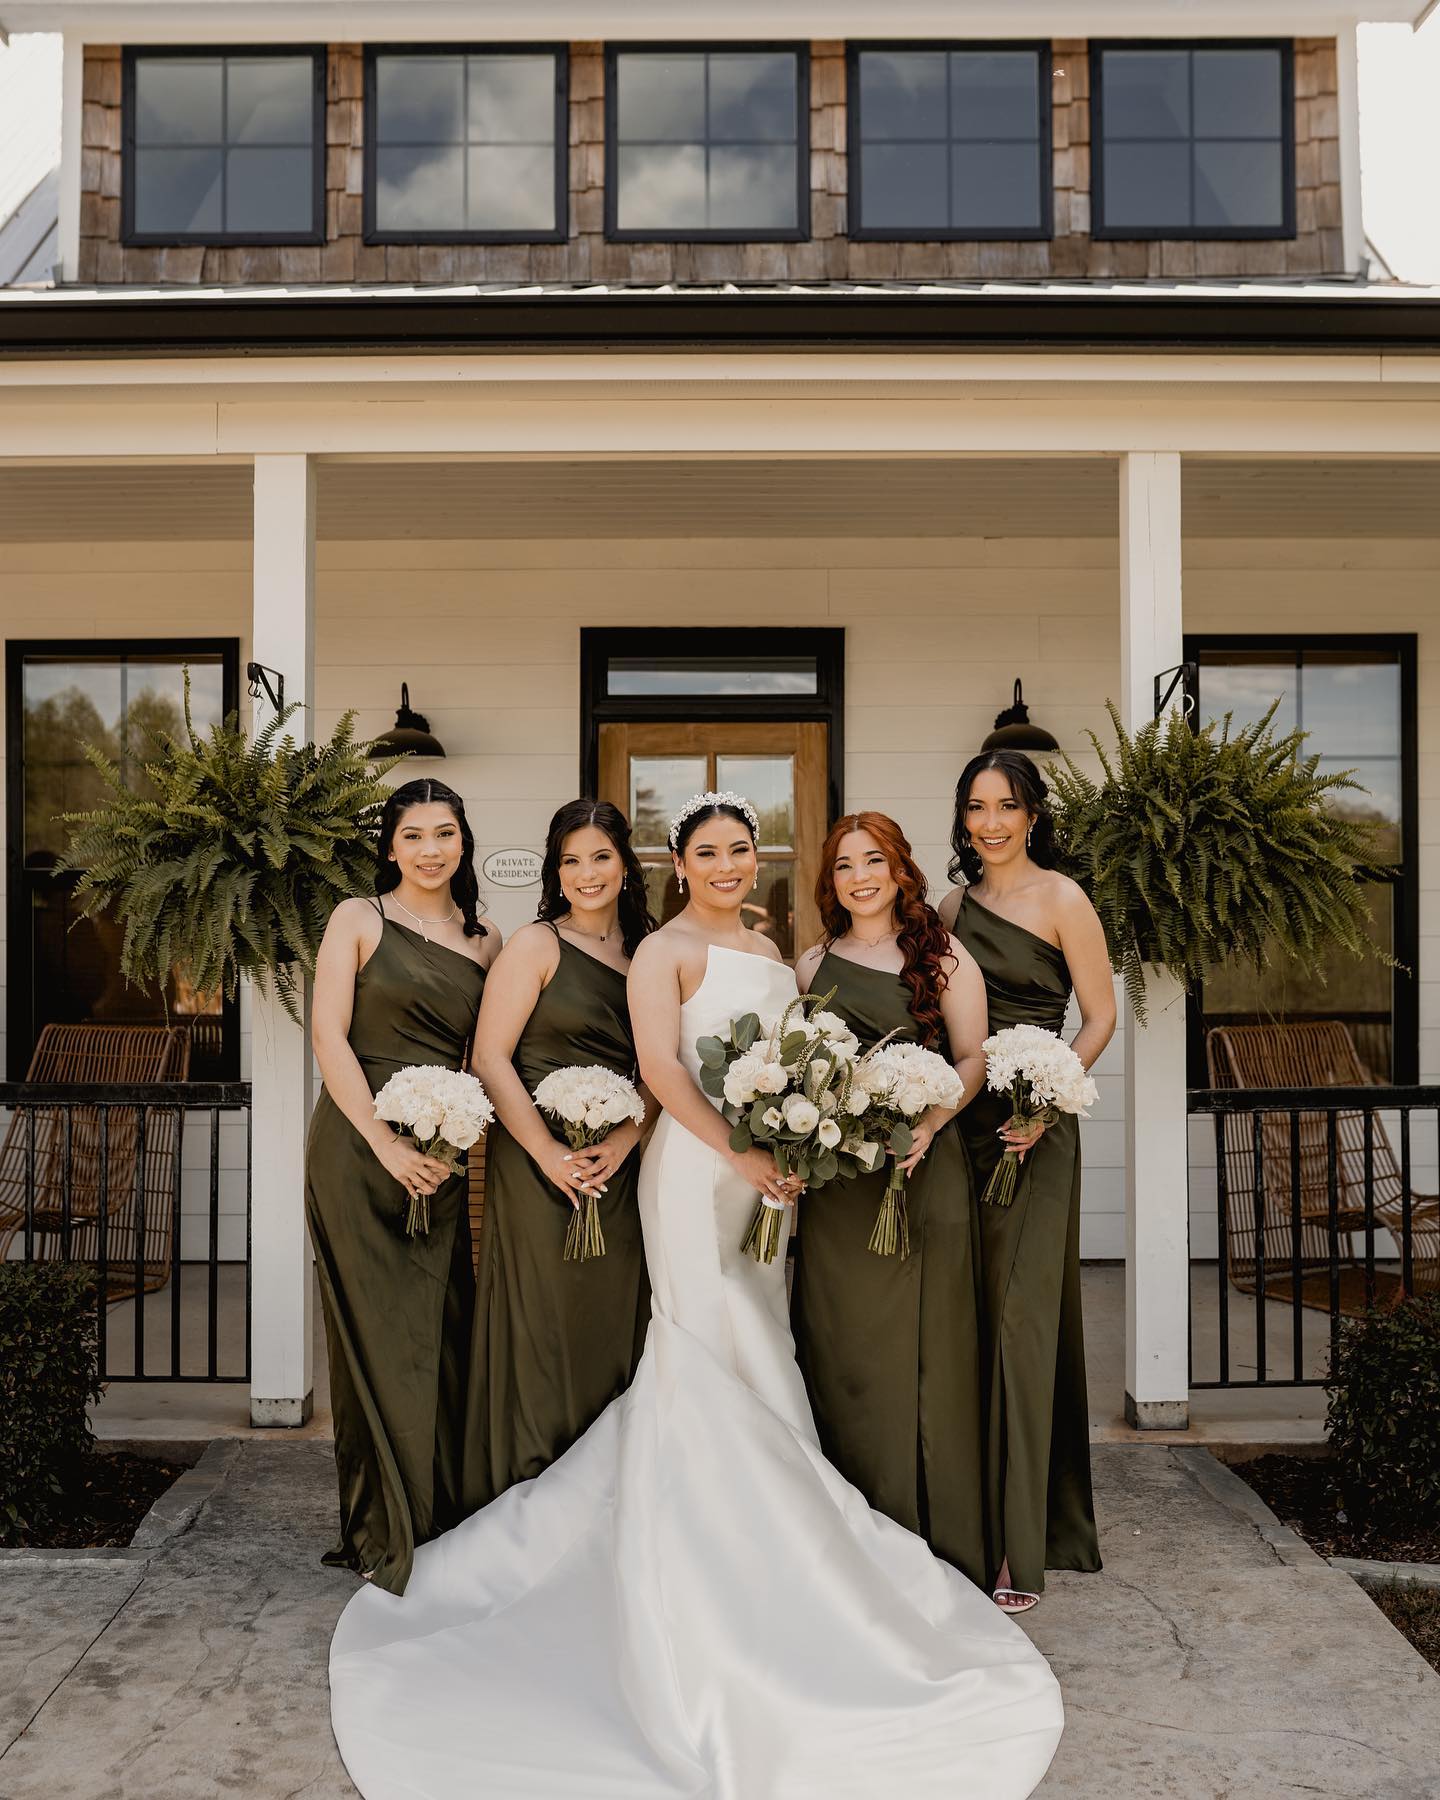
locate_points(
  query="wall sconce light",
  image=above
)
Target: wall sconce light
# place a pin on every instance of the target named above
(1014, 731)
(410, 735)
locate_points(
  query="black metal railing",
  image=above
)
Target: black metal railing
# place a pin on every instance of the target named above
(1317, 1219)
(128, 1178)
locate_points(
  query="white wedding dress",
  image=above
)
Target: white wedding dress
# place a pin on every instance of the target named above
(691, 1602)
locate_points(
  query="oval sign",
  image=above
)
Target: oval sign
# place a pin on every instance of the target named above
(512, 868)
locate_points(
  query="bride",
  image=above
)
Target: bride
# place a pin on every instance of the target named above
(691, 1604)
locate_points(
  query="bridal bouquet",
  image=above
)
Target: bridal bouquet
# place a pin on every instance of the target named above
(1044, 1078)
(589, 1101)
(780, 1083)
(442, 1111)
(896, 1083)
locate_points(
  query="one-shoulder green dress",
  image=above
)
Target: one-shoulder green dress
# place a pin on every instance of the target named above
(889, 1345)
(554, 1341)
(1037, 1461)
(397, 1308)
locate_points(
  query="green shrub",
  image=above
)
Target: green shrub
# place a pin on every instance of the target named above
(1384, 1414)
(48, 1377)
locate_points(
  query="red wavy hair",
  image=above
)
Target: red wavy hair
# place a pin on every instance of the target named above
(923, 940)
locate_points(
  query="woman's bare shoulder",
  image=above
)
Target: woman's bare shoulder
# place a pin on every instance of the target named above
(949, 907)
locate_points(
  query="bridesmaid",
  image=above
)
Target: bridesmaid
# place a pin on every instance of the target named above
(1035, 936)
(889, 1346)
(555, 1341)
(397, 982)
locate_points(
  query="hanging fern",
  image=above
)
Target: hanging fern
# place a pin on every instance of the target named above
(232, 862)
(1202, 847)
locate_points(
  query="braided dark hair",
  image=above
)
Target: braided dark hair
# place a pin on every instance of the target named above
(1027, 785)
(636, 920)
(464, 883)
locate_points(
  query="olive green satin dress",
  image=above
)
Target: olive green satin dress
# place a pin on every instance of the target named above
(1037, 1463)
(554, 1341)
(397, 1308)
(889, 1345)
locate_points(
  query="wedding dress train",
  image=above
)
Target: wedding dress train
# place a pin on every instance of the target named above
(691, 1604)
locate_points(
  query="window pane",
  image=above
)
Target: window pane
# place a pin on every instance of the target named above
(699, 675)
(768, 783)
(1147, 185)
(178, 101)
(753, 187)
(659, 787)
(512, 100)
(902, 95)
(512, 188)
(996, 186)
(1238, 93)
(269, 190)
(662, 187)
(270, 100)
(177, 190)
(752, 97)
(1245, 683)
(1146, 93)
(419, 99)
(1352, 708)
(660, 98)
(419, 189)
(1239, 185)
(1378, 801)
(903, 187)
(770, 908)
(995, 94)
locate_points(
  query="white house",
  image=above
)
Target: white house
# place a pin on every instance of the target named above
(504, 350)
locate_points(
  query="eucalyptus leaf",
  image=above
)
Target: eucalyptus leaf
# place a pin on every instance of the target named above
(740, 1138)
(711, 1051)
(745, 1030)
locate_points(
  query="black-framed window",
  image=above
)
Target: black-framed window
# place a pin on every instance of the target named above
(466, 144)
(949, 141)
(707, 143)
(1355, 698)
(60, 696)
(223, 146)
(1193, 140)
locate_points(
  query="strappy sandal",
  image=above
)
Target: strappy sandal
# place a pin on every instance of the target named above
(1004, 1594)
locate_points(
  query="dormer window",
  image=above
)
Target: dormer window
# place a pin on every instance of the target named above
(465, 145)
(1193, 141)
(223, 147)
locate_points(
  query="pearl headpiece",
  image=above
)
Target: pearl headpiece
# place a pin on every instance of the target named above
(701, 802)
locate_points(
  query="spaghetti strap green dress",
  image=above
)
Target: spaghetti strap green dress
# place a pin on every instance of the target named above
(554, 1341)
(1037, 1460)
(397, 1308)
(889, 1346)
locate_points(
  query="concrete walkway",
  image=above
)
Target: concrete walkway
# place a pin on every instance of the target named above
(1215, 1658)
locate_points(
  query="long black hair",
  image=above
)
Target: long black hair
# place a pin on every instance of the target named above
(636, 920)
(464, 883)
(722, 809)
(1027, 785)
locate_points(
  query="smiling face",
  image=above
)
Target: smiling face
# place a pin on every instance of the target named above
(427, 846)
(865, 884)
(719, 862)
(996, 821)
(592, 874)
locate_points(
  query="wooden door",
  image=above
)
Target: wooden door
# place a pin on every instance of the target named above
(649, 770)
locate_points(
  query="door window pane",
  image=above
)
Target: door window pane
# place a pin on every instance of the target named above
(706, 142)
(465, 144)
(224, 147)
(768, 783)
(950, 142)
(659, 787)
(1193, 141)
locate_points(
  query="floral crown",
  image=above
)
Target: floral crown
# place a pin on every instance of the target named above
(702, 802)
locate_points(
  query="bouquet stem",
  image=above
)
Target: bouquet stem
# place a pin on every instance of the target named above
(762, 1240)
(891, 1236)
(583, 1236)
(417, 1215)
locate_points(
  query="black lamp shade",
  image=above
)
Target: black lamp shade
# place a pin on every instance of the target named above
(410, 735)
(1014, 731)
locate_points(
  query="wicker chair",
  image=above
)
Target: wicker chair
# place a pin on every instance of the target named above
(136, 1198)
(1319, 1053)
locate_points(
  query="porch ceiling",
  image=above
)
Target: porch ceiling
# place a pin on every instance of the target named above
(899, 497)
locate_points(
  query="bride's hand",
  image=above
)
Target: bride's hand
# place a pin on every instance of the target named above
(760, 1170)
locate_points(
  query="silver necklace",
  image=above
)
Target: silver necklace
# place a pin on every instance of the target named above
(454, 913)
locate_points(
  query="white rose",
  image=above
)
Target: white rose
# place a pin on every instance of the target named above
(572, 1108)
(801, 1115)
(771, 1078)
(829, 1133)
(595, 1117)
(425, 1124)
(462, 1133)
(740, 1080)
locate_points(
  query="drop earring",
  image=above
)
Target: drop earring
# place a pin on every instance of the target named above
(681, 880)
(754, 884)
(1028, 835)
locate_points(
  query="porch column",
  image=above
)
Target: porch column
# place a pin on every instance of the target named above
(1157, 1249)
(283, 639)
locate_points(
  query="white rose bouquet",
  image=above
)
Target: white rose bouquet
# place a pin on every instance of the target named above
(442, 1111)
(1044, 1078)
(780, 1083)
(895, 1084)
(589, 1101)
